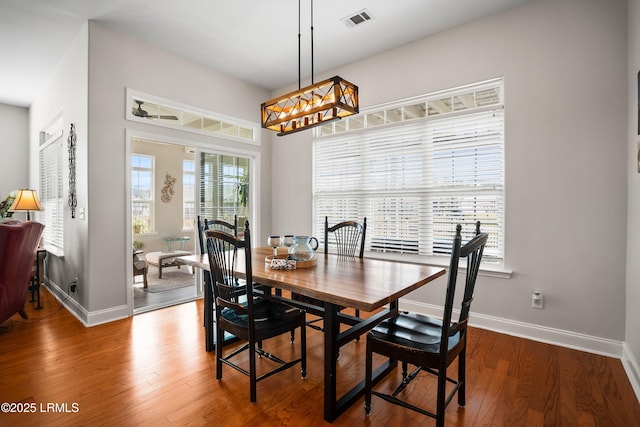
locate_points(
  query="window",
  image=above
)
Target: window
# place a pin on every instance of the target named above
(188, 191)
(142, 193)
(224, 187)
(51, 188)
(416, 169)
(150, 109)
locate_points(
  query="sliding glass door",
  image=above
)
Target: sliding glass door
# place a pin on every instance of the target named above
(224, 187)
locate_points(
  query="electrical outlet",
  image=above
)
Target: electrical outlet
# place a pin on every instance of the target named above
(537, 300)
(73, 286)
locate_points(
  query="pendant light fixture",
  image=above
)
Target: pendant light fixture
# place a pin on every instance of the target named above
(314, 105)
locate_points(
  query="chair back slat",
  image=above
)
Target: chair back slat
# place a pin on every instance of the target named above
(349, 237)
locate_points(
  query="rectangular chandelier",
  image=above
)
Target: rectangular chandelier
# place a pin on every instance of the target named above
(314, 105)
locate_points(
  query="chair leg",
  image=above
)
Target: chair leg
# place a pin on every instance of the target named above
(219, 341)
(462, 376)
(442, 396)
(367, 379)
(252, 370)
(303, 348)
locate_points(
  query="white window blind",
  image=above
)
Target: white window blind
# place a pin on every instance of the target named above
(51, 191)
(415, 180)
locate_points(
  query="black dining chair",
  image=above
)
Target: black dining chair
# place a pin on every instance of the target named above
(215, 224)
(427, 343)
(247, 315)
(348, 237)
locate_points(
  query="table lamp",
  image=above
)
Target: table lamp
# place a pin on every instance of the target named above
(26, 200)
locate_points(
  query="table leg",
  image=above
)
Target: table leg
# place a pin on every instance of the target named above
(333, 340)
(331, 348)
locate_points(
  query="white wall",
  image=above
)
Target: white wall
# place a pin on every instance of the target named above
(117, 62)
(14, 143)
(66, 93)
(564, 67)
(632, 339)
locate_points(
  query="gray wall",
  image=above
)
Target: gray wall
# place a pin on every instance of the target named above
(89, 90)
(632, 339)
(14, 143)
(564, 67)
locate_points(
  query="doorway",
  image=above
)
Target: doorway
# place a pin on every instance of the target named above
(171, 184)
(163, 188)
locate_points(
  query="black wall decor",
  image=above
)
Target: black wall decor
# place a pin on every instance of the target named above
(71, 144)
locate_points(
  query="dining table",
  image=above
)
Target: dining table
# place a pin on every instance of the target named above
(371, 285)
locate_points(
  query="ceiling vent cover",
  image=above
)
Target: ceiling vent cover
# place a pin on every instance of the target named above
(357, 18)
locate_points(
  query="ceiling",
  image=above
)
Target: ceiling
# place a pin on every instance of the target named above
(253, 40)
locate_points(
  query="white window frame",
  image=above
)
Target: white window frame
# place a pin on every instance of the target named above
(389, 166)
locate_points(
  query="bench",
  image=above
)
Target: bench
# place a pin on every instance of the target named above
(165, 259)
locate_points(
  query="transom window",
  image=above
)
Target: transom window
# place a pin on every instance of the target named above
(415, 169)
(151, 109)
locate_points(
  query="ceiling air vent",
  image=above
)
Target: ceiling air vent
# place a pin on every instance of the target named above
(357, 18)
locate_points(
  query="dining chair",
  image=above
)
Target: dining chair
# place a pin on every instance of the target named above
(215, 224)
(427, 343)
(348, 237)
(246, 314)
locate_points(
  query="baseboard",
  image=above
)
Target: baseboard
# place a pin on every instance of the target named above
(87, 318)
(632, 368)
(588, 343)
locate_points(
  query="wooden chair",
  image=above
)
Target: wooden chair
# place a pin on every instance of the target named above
(348, 238)
(429, 344)
(247, 315)
(215, 224)
(140, 267)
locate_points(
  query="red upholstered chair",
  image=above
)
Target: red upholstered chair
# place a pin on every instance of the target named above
(18, 244)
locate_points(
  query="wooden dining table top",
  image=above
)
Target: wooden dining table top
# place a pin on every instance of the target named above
(363, 283)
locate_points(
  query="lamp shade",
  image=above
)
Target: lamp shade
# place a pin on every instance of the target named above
(26, 200)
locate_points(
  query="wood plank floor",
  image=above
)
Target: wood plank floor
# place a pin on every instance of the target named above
(152, 370)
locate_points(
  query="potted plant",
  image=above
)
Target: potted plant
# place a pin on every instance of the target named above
(6, 204)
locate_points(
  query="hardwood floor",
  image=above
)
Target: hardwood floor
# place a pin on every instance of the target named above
(152, 369)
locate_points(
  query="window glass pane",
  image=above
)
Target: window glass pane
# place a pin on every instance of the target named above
(224, 187)
(142, 173)
(188, 193)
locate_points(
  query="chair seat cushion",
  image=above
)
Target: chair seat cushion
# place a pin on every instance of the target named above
(266, 313)
(415, 331)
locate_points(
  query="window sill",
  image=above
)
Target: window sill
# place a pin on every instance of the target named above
(488, 270)
(54, 250)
